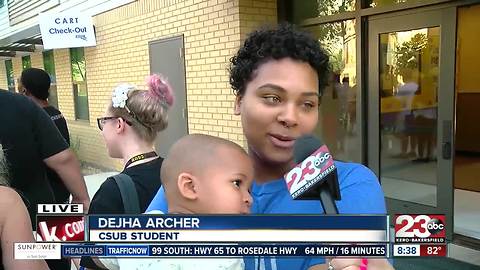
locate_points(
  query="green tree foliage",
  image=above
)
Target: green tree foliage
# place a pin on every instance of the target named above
(77, 57)
(408, 54)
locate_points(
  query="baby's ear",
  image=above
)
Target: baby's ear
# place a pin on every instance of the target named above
(186, 186)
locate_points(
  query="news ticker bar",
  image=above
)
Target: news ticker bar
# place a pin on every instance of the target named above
(57, 250)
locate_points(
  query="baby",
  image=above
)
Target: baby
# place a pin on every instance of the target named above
(202, 174)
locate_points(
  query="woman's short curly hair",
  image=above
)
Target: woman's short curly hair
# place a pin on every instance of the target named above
(281, 42)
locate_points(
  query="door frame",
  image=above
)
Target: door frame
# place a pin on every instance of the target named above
(445, 17)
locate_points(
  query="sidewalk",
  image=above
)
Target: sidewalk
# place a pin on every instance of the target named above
(94, 181)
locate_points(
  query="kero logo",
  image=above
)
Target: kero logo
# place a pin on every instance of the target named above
(420, 228)
(60, 228)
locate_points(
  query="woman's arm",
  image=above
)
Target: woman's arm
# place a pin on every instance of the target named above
(67, 166)
(15, 227)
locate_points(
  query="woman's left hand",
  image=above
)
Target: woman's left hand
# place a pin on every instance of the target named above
(355, 264)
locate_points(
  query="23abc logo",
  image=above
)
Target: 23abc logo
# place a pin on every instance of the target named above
(421, 226)
(308, 169)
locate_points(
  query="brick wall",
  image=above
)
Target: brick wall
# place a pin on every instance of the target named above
(213, 31)
(84, 135)
(255, 13)
(37, 59)
(212, 34)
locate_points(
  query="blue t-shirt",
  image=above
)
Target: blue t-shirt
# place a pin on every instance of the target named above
(360, 194)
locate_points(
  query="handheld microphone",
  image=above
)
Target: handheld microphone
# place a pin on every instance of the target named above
(315, 176)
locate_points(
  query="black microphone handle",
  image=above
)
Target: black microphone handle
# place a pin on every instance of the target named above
(327, 201)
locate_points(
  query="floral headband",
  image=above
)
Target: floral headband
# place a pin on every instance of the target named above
(120, 97)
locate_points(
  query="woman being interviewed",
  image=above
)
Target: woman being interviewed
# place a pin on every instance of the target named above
(278, 76)
(129, 128)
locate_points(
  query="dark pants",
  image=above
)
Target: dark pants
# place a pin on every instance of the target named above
(62, 264)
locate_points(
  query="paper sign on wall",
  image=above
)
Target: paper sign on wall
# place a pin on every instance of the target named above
(66, 30)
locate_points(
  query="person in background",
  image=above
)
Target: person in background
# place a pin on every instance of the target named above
(425, 129)
(406, 118)
(278, 76)
(32, 143)
(202, 174)
(130, 125)
(14, 225)
(35, 84)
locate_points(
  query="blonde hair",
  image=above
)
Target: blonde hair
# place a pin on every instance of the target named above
(3, 168)
(146, 110)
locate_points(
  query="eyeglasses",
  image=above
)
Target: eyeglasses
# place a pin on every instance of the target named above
(101, 121)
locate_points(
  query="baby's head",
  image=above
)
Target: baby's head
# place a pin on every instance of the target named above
(203, 174)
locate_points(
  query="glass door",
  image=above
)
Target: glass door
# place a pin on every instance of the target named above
(410, 114)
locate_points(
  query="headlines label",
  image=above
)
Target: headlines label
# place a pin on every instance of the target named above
(82, 250)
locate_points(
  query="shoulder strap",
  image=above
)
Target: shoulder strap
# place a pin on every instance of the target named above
(128, 193)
